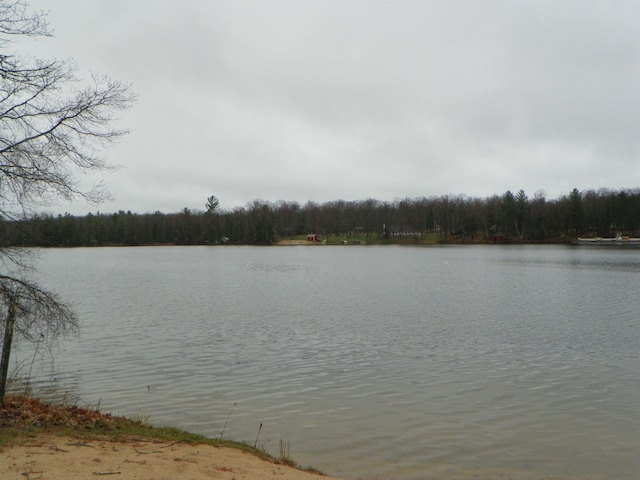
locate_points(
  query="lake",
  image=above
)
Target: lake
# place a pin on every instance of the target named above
(372, 362)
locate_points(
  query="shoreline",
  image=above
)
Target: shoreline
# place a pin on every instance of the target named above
(46, 441)
(49, 456)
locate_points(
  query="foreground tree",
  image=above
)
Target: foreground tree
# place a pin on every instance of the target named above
(33, 314)
(50, 130)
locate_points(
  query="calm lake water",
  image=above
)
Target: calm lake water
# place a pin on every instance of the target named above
(371, 362)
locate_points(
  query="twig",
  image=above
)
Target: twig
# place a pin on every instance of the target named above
(140, 452)
(256, 442)
(172, 444)
(225, 422)
(57, 448)
(106, 473)
(28, 475)
(80, 444)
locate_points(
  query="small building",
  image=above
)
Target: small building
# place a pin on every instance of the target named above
(312, 237)
(496, 238)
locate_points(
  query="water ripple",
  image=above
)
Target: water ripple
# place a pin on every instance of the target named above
(372, 362)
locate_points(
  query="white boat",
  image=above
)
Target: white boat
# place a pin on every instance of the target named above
(619, 239)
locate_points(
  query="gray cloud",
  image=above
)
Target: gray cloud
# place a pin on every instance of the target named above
(322, 100)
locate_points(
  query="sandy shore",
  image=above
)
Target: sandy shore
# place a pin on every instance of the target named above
(53, 457)
(66, 442)
(50, 457)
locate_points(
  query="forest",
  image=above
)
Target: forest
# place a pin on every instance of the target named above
(510, 218)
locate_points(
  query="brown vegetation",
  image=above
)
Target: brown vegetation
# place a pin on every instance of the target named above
(42, 440)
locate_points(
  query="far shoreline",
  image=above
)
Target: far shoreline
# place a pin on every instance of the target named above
(301, 243)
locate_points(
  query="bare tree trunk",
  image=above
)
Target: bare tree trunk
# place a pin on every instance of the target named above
(519, 232)
(6, 348)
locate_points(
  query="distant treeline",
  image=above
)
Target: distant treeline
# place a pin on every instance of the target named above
(511, 217)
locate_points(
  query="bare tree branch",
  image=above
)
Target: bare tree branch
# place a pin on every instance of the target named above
(39, 313)
(50, 132)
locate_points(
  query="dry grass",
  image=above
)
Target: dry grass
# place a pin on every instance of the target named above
(23, 417)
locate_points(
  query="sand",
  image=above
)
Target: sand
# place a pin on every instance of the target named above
(50, 457)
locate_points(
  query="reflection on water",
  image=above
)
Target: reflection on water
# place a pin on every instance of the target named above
(373, 362)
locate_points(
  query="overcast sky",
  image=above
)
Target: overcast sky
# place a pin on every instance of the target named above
(327, 100)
